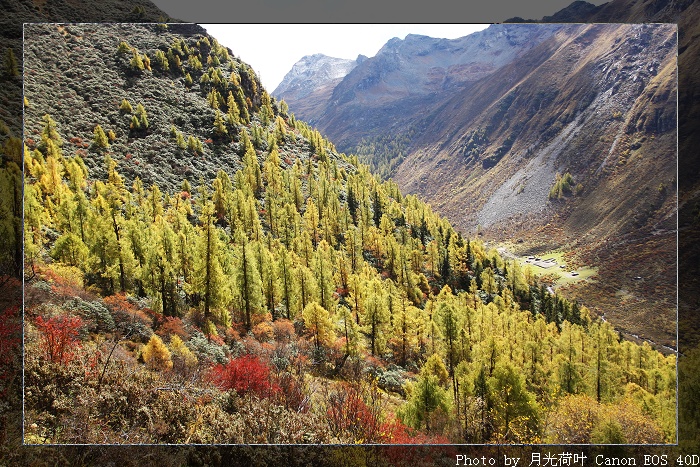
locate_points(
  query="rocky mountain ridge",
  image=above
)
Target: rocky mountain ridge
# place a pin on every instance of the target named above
(407, 75)
(313, 71)
(97, 80)
(496, 149)
(308, 85)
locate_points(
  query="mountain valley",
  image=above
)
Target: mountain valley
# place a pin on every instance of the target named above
(518, 106)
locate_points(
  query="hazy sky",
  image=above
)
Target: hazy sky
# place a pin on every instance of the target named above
(273, 49)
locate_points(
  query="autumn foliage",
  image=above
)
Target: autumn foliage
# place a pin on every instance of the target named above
(423, 452)
(395, 432)
(172, 326)
(246, 375)
(119, 302)
(348, 413)
(156, 355)
(59, 337)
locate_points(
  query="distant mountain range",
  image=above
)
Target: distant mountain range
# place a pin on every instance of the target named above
(412, 71)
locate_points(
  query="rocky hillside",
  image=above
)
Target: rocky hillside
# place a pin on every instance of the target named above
(538, 120)
(98, 80)
(15, 13)
(610, 122)
(689, 175)
(309, 84)
(686, 14)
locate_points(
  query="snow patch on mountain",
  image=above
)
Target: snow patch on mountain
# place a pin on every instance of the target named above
(312, 72)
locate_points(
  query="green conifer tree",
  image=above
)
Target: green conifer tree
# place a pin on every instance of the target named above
(125, 107)
(123, 48)
(219, 127)
(162, 60)
(426, 397)
(194, 145)
(142, 117)
(317, 320)
(136, 61)
(376, 315)
(100, 140)
(248, 281)
(288, 282)
(233, 115)
(209, 281)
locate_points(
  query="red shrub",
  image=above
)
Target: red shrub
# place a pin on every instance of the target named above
(59, 337)
(291, 393)
(395, 432)
(246, 374)
(119, 302)
(62, 285)
(422, 453)
(92, 365)
(217, 339)
(348, 413)
(232, 335)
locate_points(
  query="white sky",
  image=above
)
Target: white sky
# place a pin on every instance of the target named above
(272, 49)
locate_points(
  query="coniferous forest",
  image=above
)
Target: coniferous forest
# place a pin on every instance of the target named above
(221, 274)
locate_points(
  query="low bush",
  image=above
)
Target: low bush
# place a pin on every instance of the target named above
(246, 375)
(97, 317)
(59, 337)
